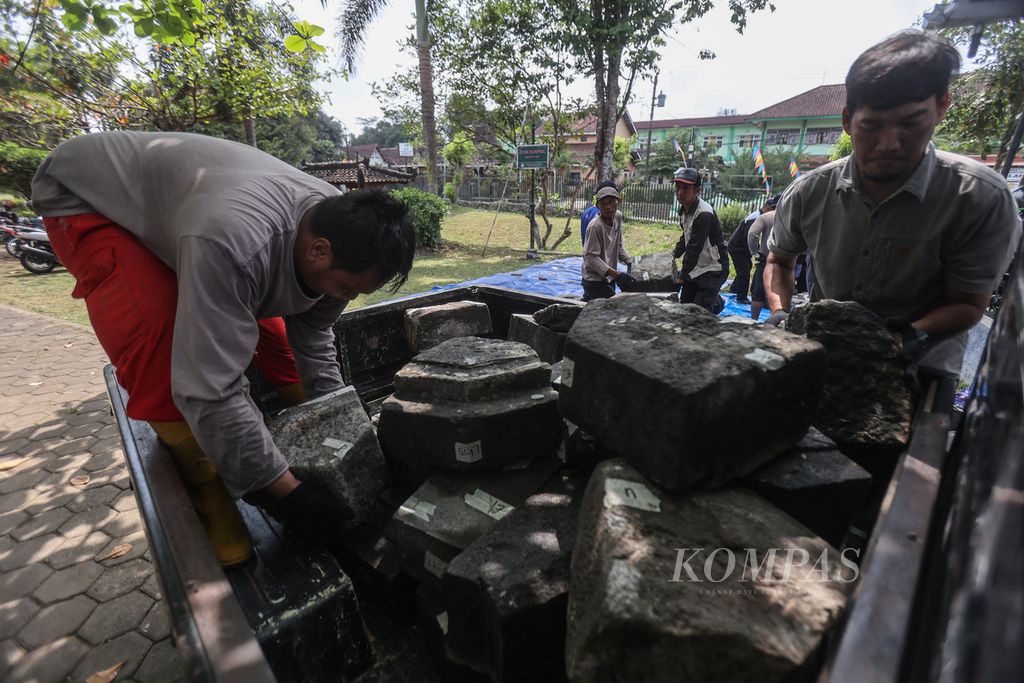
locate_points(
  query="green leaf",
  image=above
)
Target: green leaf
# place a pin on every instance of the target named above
(72, 21)
(295, 44)
(315, 30)
(317, 47)
(144, 27)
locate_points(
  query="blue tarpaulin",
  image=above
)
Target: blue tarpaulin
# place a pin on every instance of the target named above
(562, 278)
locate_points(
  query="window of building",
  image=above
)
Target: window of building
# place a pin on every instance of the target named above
(583, 138)
(822, 136)
(783, 136)
(749, 140)
(712, 141)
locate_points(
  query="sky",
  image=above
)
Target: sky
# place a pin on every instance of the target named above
(803, 44)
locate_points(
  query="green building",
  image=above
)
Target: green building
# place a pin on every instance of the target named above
(809, 124)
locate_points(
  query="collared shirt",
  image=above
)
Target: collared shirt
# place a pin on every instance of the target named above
(757, 236)
(952, 224)
(603, 249)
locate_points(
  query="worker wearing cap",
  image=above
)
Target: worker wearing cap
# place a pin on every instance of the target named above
(705, 259)
(603, 250)
(757, 244)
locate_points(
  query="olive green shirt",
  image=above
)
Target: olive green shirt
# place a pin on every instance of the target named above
(953, 225)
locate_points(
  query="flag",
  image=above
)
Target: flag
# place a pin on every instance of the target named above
(758, 159)
(679, 149)
(794, 170)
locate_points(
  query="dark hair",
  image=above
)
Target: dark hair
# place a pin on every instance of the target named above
(368, 229)
(910, 66)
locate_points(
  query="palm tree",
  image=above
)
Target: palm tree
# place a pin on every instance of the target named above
(356, 17)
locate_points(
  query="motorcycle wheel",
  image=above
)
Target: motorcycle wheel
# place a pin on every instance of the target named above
(12, 247)
(37, 265)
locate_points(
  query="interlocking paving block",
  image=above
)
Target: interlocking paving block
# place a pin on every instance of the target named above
(129, 648)
(471, 404)
(658, 382)
(53, 662)
(155, 625)
(56, 621)
(701, 586)
(865, 404)
(431, 325)
(821, 489)
(507, 593)
(161, 665)
(41, 524)
(111, 619)
(68, 582)
(120, 579)
(22, 581)
(38, 549)
(16, 613)
(450, 511)
(331, 442)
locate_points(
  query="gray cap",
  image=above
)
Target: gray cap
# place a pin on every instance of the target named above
(607, 192)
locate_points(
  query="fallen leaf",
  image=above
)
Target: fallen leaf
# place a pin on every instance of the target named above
(34, 384)
(106, 675)
(80, 481)
(68, 346)
(116, 551)
(11, 464)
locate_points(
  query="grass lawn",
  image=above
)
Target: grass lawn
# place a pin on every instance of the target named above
(459, 259)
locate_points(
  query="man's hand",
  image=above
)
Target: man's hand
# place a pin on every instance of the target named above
(626, 282)
(308, 509)
(915, 344)
(776, 318)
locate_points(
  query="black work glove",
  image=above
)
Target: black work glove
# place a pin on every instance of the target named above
(776, 318)
(915, 344)
(626, 282)
(308, 509)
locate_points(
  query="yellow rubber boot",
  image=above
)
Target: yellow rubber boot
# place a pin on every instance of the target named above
(217, 511)
(291, 394)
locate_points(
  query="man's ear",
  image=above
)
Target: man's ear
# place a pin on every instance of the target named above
(945, 99)
(847, 116)
(319, 249)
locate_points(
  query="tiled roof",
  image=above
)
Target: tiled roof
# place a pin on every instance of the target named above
(691, 123)
(587, 126)
(357, 152)
(825, 100)
(354, 174)
(390, 155)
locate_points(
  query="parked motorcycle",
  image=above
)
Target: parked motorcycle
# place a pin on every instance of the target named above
(9, 234)
(36, 252)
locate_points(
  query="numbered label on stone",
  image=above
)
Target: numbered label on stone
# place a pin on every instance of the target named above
(630, 494)
(488, 504)
(468, 452)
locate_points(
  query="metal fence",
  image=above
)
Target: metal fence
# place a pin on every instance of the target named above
(641, 199)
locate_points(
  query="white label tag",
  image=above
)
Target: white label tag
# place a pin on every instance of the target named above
(567, 367)
(468, 452)
(420, 508)
(766, 358)
(442, 621)
(339, 446)
(434, 564)
(488, 504)
(631, 494)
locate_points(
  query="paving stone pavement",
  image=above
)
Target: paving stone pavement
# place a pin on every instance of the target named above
(65, 503)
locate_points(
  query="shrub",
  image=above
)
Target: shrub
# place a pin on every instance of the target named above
(451, 192)
(17, 166)
(427, 212)
(731, 215)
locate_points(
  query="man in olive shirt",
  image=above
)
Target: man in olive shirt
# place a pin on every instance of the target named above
(919, 236)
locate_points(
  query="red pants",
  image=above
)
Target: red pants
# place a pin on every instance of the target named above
(132, 297)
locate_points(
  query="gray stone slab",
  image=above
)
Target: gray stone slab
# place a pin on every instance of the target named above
(448, 512)
(331, 442)
(432, 620)
(669, 587)
(654, 266)
(558, 317)
(507, 593)
(472, 437)
(68, 582)
(659, 384)
(111, 619)
(56, 621)
(521, 328)
(470, 369)
(549, 344)
(865, 403)
(431, 325)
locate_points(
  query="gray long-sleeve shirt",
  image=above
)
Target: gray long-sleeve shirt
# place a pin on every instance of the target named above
(224, 217)
(603, 249)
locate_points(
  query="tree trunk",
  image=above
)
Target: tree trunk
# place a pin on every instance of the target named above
(607, 119)
(544, 210)
(249, 127)
(426, 94)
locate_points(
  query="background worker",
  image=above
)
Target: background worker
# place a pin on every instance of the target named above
(181, 245)
(705, 265)
(603, 250)
(917, 235)
(591, 212)
(757, 247)
(741, 259)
